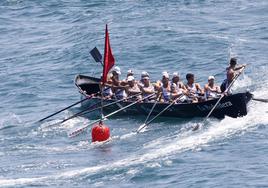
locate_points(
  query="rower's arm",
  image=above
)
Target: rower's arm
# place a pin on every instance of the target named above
(176, 95)
(198, 87)
(108, 85)
(147, 90)
(206, 88)
(218, 89)
(183, 86)
(133, 92)
(240, 67)
(120, 86)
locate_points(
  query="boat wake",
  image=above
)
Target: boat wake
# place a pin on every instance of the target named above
(164, 147)
(11, 120)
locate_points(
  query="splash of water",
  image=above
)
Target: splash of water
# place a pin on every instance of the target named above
(177, 143)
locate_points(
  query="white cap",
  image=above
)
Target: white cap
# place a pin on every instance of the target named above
(211, 78)
(130, 78)
(173, 86)
(144, 73)
(117, 70)
(130, 71)
(175, 74)
(165, 74)
(145, 78)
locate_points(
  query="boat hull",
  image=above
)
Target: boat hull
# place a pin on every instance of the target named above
(233, 105)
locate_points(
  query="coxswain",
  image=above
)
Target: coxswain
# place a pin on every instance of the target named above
(165, 88)
(133, 88)
(230, 74)
(211, 90)
(194, 90)
(147, 89)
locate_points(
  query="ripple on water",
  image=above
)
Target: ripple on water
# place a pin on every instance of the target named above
(46, 43)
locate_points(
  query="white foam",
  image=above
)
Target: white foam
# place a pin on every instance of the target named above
(10, 119)
(128, 135)
(164, 147)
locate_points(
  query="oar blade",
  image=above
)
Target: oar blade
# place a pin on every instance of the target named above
(95, 53)
(76, 132)
(260, 100)
(197, 126)
(140, 128)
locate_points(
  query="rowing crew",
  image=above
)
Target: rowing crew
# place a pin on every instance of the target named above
(166, 90)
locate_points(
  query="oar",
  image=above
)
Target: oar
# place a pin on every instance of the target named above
(80, 130)
(260, 100)
(87, 98)
(109, 104)
(222, 95)
(147, 123)
(91, 109)
(64, 109)
(156, 101)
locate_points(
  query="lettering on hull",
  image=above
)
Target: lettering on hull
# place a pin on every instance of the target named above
(219, 106)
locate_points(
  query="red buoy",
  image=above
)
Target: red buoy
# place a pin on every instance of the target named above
(100, 132)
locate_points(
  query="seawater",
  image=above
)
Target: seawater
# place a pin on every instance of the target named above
(44, 44)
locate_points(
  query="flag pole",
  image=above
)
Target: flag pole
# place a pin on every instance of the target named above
(101, 132)
(108, 62)
(101, 103)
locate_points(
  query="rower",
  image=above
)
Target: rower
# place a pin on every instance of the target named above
(211, 90)
(165, 88)
(143, 74)
(177, 82)
(177, 88)
(117, 88)
(230, 74)
(194, 90)
(147, 89)
(178, 93)
(133, 88)
(107, 89)
(129, 73)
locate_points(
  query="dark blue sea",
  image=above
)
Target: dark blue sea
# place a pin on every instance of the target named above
(44, 44)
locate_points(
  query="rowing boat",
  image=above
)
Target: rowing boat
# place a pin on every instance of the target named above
(234, 105)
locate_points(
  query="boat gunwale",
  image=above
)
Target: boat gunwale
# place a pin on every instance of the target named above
(159, 103)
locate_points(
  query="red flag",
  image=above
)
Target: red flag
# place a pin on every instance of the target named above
(109, 61)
